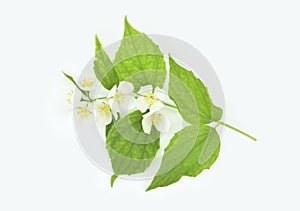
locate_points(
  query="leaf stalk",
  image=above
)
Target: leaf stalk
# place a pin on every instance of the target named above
(237, 130)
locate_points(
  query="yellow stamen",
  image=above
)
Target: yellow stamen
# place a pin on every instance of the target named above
(87, 82)
(150, 98)
(69, 97)
(83, 112)
(155, 119)
(120, 97)
(104, 109)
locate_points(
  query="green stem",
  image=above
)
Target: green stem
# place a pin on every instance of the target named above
(84, 92)
(167, 104)
(92, 100)
(237, 130)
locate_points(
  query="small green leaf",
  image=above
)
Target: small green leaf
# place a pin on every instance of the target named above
(103, 67)
(216, 113)
(191, 96)
(139, 60)
(113, 179)
(84, 92)
(181, 157)
(131, 152)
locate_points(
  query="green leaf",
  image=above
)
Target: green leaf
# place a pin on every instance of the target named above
(210, 145)
(130, 149)
(97, 44)
(113, 179)
(216, 113)
(103, 67)
(84, 92)
(110, 125)
(181, 157)
(129, 30)
(139, 60)
(191, 96)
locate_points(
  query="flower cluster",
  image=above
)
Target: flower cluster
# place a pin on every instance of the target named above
(158, 109)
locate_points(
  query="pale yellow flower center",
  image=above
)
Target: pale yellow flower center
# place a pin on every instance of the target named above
(155, 119)
(150, 98)
(69, 97)
(83, 112)
(88, 82)
(104, 109)
(120, 97)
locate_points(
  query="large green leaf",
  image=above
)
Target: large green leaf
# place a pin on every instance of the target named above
(139, 60)
(181, 157)
(130, 149)
(191, 96)
(103, 67)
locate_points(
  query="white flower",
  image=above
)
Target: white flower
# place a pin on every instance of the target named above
(149, 99)
(166, 119)
(160, 116)
(88, 83)
(121, 99)
(83, 111)
(103, 113)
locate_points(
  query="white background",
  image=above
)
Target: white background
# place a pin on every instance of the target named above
(254, 48)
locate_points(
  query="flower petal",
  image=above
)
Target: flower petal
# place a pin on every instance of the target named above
(148, 114)
(146, 125)
(115, 108)
(141, 104)
(112, 92)
(145, 89)
(96, 105)
(159, 93)
(126, 87)
(174, 117)
(100, 91)
(128, 106)
(132, 103)
(104, 120)
(156, 107)
(164, 126)
(169, 101)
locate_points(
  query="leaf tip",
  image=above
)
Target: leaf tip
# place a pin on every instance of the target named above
(96, 38)
(112, 180)
(148, 189)
(128, 29)
(65, 74)
(97, 43)
(126, 19)
(126, 23)
(171, 60)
